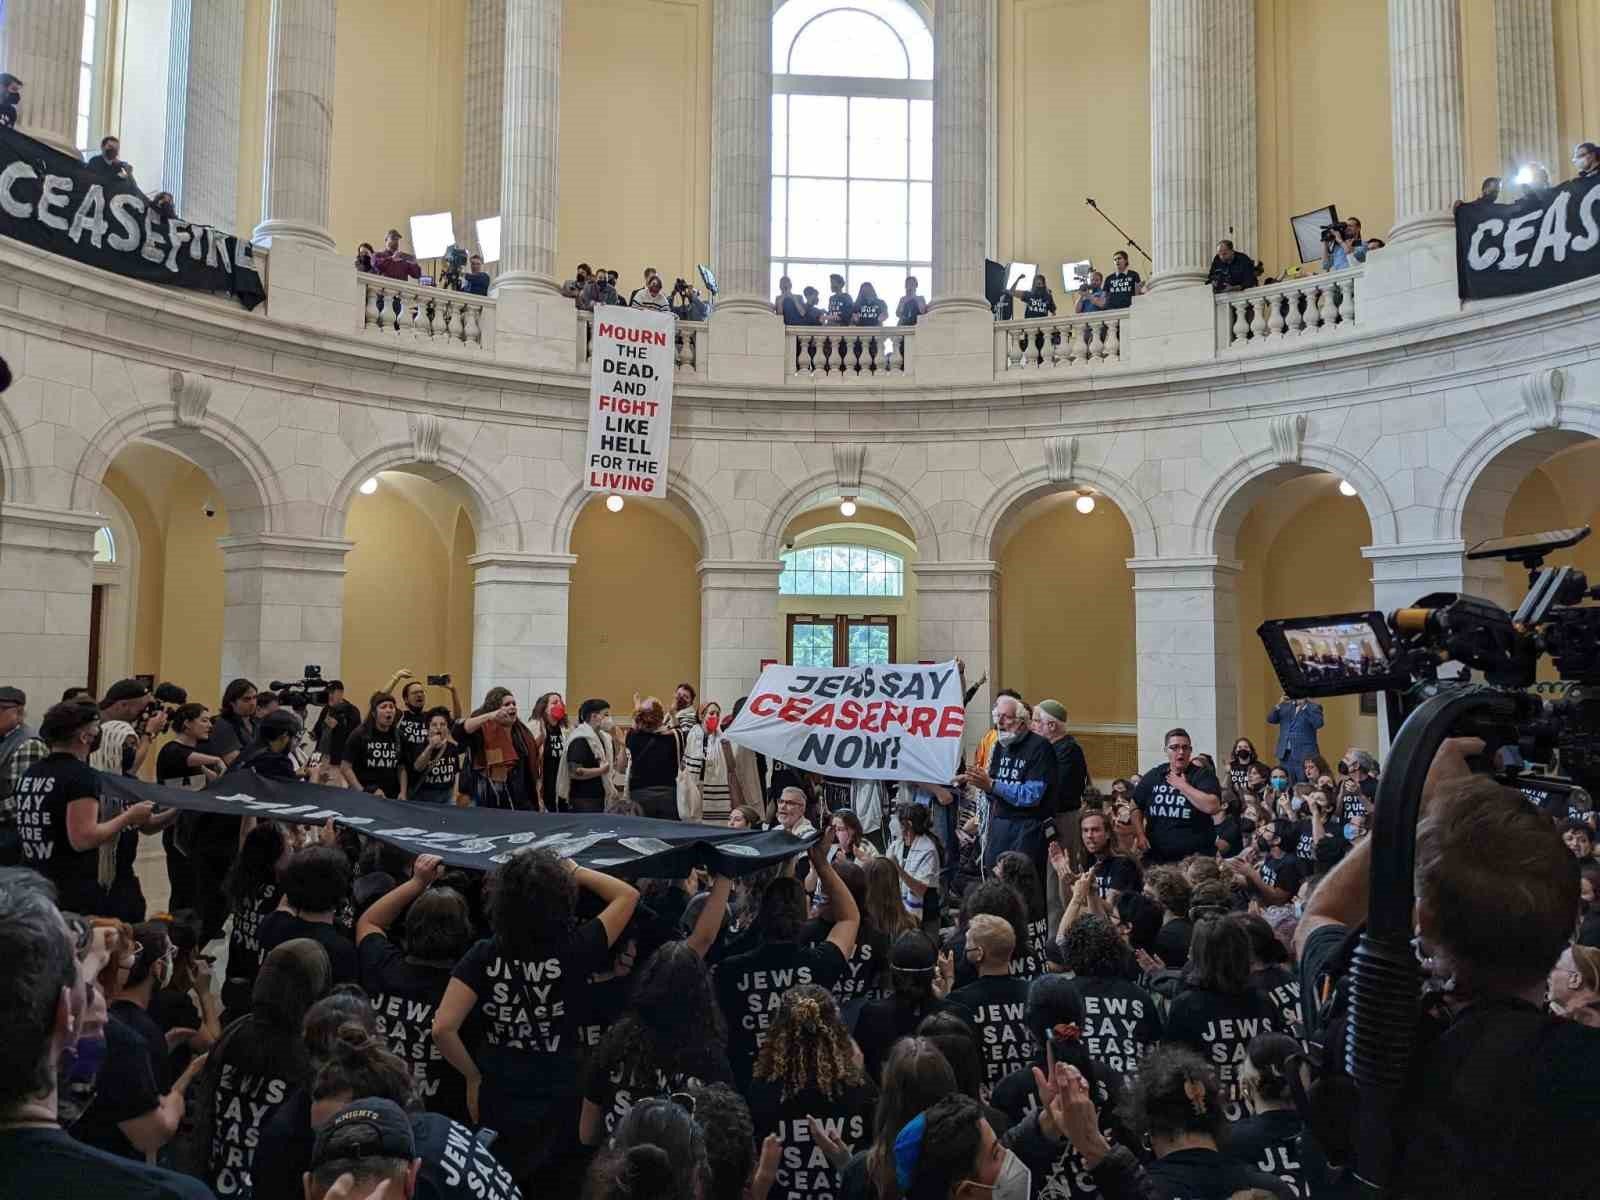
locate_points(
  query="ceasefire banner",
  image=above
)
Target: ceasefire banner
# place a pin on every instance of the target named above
(1546, 238)
(882, 722)
(55, 202)
(481, 838)
(630, 401)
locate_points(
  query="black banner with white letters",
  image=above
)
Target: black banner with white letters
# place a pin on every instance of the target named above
(55, 202)
(481, 838)
(1546, 238)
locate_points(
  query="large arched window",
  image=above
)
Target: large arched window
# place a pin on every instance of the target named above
(852, 145)
(842, 571)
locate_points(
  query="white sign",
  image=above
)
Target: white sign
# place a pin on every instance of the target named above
(630, 402)
(882, 722)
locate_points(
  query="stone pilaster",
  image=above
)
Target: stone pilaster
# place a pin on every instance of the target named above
(202, 156)
(1180, 172)
(1525, 63)
(282, 605)
(40, 41)
(483, 102)
(46, 578)
(958, 610)
(299, 140)
(1426, 111)
(519, 622)
(739, 626)
(1187, 636)
(1231, 103)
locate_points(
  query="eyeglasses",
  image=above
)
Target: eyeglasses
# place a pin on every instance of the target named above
(80, 931)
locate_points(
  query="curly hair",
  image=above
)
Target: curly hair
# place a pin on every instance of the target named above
(783, 910)
(1095, 949)
(1200, 868)
(1174, 1093)
(1169, 888)
(809, 1047)
(673, 1022)
(533, 902)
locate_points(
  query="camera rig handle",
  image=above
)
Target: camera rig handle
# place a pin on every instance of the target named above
(1385, 979)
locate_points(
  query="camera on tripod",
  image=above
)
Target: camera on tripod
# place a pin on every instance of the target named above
(298, 693)
(455, 262)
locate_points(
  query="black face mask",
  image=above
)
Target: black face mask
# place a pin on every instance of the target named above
(1264, 845)
(1244, 756)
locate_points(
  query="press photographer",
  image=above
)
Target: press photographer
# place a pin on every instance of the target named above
(687, 303)
(1342, 245)
(476, 280)
(1231, 271)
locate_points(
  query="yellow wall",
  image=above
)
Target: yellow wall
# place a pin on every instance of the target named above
(458, 624)
(1311, 564)
(145, 653)
(1066, 614)
(191, 612)
(1577, 30)
(825, 527)
(1073, 120)
(634, 607)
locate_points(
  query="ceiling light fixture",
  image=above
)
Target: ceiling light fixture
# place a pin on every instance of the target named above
(847, 507)
(614, 502)
(1346, 488)
(1084, 503)
(369, 486)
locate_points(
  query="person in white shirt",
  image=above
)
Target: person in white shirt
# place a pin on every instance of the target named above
(651, 296)
(916, 855)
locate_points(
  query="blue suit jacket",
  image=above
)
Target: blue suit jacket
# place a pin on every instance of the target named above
(1297, 732)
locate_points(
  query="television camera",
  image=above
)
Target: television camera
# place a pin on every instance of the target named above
(299, 693)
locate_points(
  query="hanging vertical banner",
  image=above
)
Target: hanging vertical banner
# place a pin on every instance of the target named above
(630, 401)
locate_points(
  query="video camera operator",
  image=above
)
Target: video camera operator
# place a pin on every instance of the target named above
(476, 279)
(687, 303)
(1342, 245)
(1231, 271)
(1496, 1080)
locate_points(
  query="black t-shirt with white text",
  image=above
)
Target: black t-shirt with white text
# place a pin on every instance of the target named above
(437, 782)
(841, 309)
(1027, 765)
(1017, 1097)
(458, 1163)
(997, 1005)
(374, 756)
(412, 730)
(1121, 1022)
(750, 987)
(50, 1164)
(530, 1011)
(614, 1086)
(1286, 873)
(41, 801)
(1120, 288)
(1114, 873)
(1280, 985)
(244, 943)
(1218, 1027)
(871, 312)
(1210, 1175)
(866, 971)
(405, 996)
(803, 1170)
(1039, 304)
(244, 1103)
(1277, 1143)
(280, 926)
(1175, 827)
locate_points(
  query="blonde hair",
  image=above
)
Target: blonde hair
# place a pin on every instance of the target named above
(809, 1045)
(993, 935)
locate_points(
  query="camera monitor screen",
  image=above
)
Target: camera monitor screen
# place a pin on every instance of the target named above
(1337, 655)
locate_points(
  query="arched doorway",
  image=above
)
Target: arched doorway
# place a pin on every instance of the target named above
(847, 592)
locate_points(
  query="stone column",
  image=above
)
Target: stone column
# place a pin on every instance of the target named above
(519, 622)
(961, 100)
(1525, 62)
(1180, 172)
(1187, 633)
(958, 606)
(282, 605)
(1425, 107)
(530, 146)
(46, 578)
(741, 153)
(299, 140)
(1231, 105)
(739, 626)
(484, 102)
(202, 158)
(40, 41)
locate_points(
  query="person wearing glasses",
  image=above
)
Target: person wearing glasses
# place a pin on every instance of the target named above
(1176, 802)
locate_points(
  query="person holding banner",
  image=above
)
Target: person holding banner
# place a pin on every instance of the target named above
(1020, 784)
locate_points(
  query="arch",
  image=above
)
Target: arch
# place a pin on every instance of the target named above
(1233, 493)
(876, 488)
(1483, 479)
(494, 518)
(711, 531)
(15, 480)
(1027, 486)
(234, 462)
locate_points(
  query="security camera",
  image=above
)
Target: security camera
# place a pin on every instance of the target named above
(789, 545)
(209, 508)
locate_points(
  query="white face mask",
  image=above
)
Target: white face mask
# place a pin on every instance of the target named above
(607, 724)
(1014, 1183)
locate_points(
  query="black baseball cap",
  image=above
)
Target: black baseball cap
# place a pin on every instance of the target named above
(125, 689)
(370, 1128)
(11, 695)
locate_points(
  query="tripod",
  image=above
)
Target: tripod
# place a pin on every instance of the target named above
(1089, 200)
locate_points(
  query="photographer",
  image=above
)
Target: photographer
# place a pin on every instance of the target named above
(394, 263)
(1230, 270)
(10, 95)
(572, 289)
(688, 304)
(1495, 1079)
(1092, 295)
(1342, 245)
(476, 280)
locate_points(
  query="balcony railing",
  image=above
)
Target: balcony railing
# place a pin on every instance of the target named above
(817, 355)
(1280, 315)
(1059, 343)
(426, 314)
(688, 344)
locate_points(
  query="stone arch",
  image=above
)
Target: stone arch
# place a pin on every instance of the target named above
(711, 531)
(875, 488)
(494, 518)
(1027, 486)
(1234, 492)
(15, 480)
(1481, 483)
(234, 462)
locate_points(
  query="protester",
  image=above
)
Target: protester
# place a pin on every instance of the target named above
(1176, 802)
(501, 750)
(1122, 1022)
(316, 883)
(1019, 780)
(915, 856)
(996, 1003)
(20, 748)
(655, 753)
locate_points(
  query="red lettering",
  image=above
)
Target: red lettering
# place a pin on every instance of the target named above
(794, 708)
(921, 722)
(872, 720)
(613, 481)
(651, 337)
(821, 716)
(627, 406)
(952, 721)
(765, 704)
(849, 715)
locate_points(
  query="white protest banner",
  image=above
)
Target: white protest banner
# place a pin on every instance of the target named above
(882, 722)
(630, 402)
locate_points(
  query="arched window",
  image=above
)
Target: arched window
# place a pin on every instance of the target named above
(842, 571)
(105, 546)
(852, 145)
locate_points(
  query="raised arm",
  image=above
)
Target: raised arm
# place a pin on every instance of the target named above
(390, 907)
(620, 899)
(709, 924)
